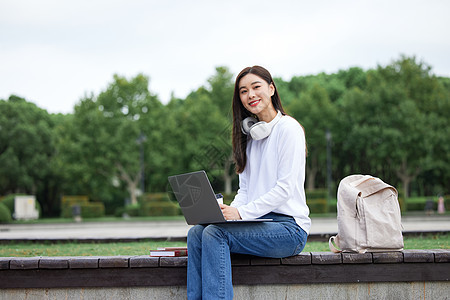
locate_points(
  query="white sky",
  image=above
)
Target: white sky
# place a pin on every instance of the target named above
(53, 52)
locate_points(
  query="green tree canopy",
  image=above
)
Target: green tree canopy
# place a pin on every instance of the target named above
(104, 136)
(26, 146)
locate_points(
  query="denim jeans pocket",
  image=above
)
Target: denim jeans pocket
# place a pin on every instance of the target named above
(302, 237)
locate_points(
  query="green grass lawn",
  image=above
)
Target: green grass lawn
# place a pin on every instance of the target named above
(142, 248)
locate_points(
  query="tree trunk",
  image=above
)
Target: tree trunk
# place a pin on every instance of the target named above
(405, 183)
(311, 173)
(406, 177)
(132, 183)
(132, 187)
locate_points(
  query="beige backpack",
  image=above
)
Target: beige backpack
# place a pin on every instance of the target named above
(368, 215)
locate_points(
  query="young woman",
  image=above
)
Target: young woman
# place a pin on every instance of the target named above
(270, 160)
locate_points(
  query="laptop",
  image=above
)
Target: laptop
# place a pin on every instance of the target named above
(197, 199)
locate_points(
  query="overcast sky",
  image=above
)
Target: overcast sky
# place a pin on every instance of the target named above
(53, 52)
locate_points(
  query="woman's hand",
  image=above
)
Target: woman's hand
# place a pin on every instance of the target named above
(230, 213)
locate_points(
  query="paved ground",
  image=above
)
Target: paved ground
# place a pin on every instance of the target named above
(175, 229)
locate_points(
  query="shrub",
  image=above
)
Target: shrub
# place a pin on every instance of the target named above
(5, 214)
(332, 206)
(316, 200)
(316, 194)
(119, 212)
(156, 204)
(8, 201)
(154, 197)
(317, 206)
(66, 212)
(88, 210)
(419, 203)
(133, 210)
(68, 201)
(93, 210)
(160, 209)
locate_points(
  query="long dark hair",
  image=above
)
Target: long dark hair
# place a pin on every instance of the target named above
(240, 113)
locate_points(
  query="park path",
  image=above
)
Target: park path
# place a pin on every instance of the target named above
(176, 229)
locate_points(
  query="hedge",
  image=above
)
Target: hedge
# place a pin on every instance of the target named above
(88, 210)
(419, 203)
(317, 206)
(316, 194)
(154, 197)
(156, 204)
(132, 210)
(68, 201)
(316, 199)
(161, 208)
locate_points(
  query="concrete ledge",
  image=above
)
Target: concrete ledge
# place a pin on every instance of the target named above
(358, 291)
(306, 268)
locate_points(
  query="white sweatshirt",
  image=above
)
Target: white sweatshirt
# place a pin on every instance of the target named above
(274, 177)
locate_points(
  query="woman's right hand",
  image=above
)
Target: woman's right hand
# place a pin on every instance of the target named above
(229, 212)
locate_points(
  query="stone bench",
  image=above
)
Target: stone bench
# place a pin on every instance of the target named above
(69, 274)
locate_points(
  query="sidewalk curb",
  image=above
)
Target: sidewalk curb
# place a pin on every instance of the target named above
(315, 237)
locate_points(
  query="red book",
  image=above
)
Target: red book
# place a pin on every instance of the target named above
(170, 248)
(170, 253)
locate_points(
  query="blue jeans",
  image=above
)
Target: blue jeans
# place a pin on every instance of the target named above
(209, 248)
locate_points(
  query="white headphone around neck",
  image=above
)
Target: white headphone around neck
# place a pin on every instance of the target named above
(259, 130)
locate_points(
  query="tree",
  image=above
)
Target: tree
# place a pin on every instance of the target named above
(26, 148)
(418, 102)
(353, 77)
(317, 114)
(205, 117)
(385, 130)
(221, 92)
(207, 130)
(286, 94)
(106, 133)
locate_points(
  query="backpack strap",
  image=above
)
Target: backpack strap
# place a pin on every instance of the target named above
(369, 185)
(355, 180)
(334, 240)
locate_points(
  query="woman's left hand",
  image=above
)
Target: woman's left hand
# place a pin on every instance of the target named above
(229, 212)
